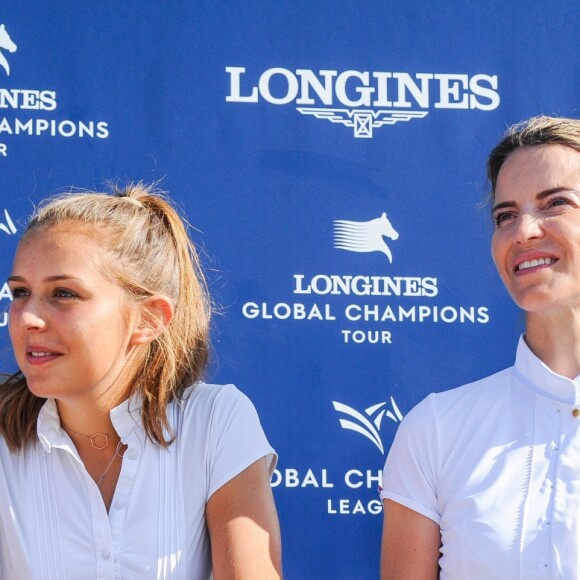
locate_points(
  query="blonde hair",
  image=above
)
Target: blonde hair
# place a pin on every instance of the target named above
(541, 130)
(150, 253)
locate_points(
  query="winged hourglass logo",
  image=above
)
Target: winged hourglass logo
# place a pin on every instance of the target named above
(362, 121)
(369, 423)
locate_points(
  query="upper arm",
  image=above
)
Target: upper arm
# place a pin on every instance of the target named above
(410, 545)
(243, 527)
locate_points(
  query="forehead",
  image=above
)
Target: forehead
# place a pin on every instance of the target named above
(68, 245)
(532, 170)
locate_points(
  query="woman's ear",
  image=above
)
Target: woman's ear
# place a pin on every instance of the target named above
(156, 313)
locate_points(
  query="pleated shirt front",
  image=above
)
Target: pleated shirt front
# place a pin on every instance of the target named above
(53, 522)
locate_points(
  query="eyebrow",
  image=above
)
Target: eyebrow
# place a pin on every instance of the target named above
(55, 278)
(542, 195)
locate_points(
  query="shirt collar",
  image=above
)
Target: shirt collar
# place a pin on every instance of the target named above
(536, 374)
(126, 419)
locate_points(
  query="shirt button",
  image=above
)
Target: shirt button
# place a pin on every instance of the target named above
(553, 448)
(105, 554)
(575, 412)
(132, 454)
(119, 504)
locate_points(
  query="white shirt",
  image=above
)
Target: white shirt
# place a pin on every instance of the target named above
(496, 464)
(53, 522)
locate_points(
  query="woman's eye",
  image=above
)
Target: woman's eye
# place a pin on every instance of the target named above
(558, 201)
(503, 217)
(64, 293)
(19, 292)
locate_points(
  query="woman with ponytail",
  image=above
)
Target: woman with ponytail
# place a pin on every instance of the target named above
(117, 461)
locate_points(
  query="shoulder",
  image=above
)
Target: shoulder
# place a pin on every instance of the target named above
(483, 393)
(207, 393)
(213, 409)
(219, 425)
(437, 431)
(205, 399)
(441, 414)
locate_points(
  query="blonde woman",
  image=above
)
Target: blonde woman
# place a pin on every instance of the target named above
(117, 462)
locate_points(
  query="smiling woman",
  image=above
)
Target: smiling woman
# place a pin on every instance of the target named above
(114, 455)
(483, 481)
(537, 235)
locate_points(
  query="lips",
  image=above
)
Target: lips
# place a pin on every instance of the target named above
(41, 355)
(535, 263)
(528, 263)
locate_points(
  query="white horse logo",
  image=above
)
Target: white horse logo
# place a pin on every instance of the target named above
(6, 43)
(365, 236)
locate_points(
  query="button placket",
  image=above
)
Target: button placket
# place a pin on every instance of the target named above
(121, 499)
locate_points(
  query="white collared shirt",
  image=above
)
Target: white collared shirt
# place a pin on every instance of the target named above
(53, 522)
(496, 464)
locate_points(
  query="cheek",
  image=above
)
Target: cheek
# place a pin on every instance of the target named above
(496, 250)
(108, 336)
(13, 317)
(18, 341)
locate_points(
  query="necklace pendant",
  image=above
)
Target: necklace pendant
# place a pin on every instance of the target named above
(99, 441)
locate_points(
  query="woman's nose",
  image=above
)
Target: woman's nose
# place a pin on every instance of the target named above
(32, 321)
(528, 228)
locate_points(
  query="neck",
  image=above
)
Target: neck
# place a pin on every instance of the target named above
(85, 417)
(89, 411)
(555, 339)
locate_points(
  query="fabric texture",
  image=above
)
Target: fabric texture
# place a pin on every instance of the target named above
(496, 464)
(53, 522)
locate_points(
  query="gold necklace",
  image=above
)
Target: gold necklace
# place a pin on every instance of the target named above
(117, 454)
(94, 439)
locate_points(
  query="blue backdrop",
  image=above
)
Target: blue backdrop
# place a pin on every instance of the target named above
(284, 130)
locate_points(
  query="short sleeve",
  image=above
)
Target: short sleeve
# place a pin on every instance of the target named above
(410, 472)
(236, 438)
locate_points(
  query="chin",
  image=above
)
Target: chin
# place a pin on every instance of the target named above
(41, 389)
(536, 303)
